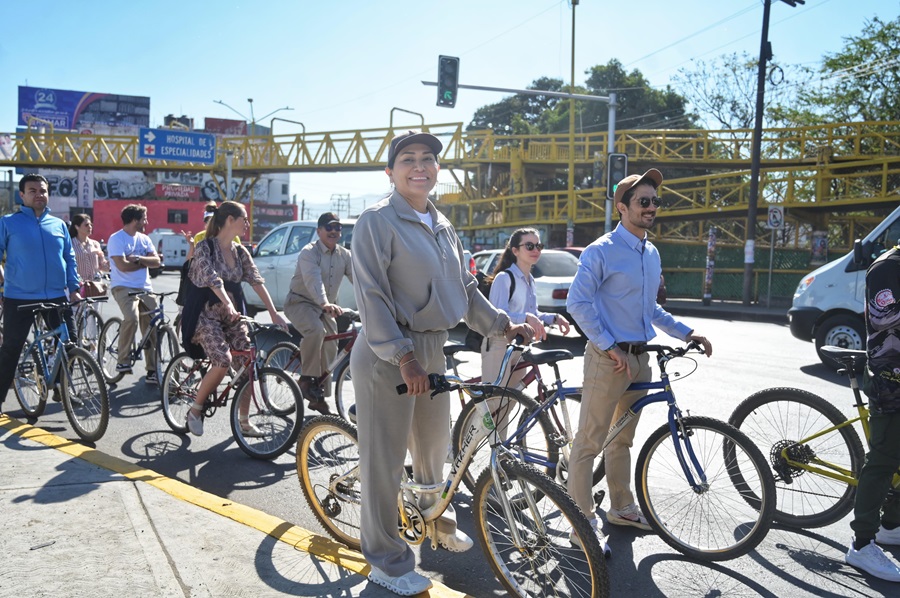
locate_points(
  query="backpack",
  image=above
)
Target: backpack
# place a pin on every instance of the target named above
(473, 339)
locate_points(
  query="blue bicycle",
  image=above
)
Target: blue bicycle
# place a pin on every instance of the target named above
(52, 364)
(704, 487)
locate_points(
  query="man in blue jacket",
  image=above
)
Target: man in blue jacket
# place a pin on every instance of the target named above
(40, 266)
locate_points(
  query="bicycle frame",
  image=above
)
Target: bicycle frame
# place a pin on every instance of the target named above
(158, 319)
(61, 336)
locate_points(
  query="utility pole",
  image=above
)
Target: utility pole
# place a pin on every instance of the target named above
(340, 202)
(765, 54)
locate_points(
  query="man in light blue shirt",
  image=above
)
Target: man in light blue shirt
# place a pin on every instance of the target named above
(613, 300)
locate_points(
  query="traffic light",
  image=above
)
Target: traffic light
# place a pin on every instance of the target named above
(616, 170)
(448, 80)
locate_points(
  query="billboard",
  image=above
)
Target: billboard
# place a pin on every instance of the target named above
(224, 126)
(67, 109)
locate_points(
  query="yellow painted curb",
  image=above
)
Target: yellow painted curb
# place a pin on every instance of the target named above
(279, 529)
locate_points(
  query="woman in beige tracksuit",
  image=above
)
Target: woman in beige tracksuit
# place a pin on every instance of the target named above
(411, 287)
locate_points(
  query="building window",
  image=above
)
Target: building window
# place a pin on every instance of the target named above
(178, 216)
(284, 188)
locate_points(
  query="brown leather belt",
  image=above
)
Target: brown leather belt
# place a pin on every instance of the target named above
(634, 349)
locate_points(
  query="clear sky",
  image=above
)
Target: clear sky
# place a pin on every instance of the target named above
(344, 65)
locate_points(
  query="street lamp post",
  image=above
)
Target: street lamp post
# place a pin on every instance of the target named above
(570, 224)
(252, 133)
(765, 54)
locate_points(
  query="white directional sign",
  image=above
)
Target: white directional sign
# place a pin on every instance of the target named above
(177, 146)
(776, 218)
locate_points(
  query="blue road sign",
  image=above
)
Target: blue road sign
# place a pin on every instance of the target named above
(177, 146)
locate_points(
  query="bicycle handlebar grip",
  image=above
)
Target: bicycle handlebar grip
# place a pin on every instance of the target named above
(434, 380)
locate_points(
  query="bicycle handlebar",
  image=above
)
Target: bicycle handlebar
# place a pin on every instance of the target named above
(155, 294)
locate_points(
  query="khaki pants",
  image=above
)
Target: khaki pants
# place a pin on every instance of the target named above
(388, 425)
(130, 306)
(492, 351)
(605, 400)
(311, 322)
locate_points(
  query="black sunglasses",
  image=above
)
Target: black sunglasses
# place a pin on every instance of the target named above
(333, 227)
(532, 246)
(645, 201)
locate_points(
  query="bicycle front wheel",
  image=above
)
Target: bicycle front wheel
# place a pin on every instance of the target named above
(31, 390)
(179, 389)
(717, 518)
(509, 409)
(547, 562)
(286, 357)
(108, 350)
(84, 395)
(260, 430)
(344, 392)
(89, 327)
(328, 450)
(166, 350)
(776, 419)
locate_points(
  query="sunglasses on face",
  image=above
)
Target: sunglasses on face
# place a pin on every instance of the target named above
(532, 246)
(645, 202)
(333, 227)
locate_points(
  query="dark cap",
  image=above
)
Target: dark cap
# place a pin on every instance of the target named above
(401, 141)
(328, 218)
(652, 176)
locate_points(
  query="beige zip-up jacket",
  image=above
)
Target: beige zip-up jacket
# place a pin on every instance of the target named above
(407, 276)
(318, 274)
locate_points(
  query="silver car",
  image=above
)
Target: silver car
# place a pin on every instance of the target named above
(553, 276)
(276, 258)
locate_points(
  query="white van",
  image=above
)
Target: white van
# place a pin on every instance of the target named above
(173, 249)
(829, 302)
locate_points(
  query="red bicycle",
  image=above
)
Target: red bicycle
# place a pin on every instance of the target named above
(286, 357)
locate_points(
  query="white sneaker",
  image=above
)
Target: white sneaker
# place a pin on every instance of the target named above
(630, 515)
(455, 542)
(595, 525)
(889, 537)
(195, 422)
(872, 559)
(249, 430)
(408, 584)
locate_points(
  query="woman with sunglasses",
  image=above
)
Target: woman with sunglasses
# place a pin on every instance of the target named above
(411, 287)
(513, 291)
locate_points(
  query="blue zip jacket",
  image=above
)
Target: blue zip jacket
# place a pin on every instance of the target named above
(40, 261)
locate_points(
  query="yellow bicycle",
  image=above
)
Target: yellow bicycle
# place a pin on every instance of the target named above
(813, 449)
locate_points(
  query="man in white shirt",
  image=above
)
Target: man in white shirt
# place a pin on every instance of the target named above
(131, 255)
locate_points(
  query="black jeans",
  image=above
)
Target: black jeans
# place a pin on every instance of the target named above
(16, 325)
(882, 461)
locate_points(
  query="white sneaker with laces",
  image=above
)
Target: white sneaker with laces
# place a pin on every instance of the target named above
(889, 537)
(249, 430)
(408, 584)
(195, 422)
(873, 560)
(455, 542)
(595, 524)
(630, 515)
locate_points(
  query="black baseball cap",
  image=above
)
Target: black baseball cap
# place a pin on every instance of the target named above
(401, 141)
(328, 218)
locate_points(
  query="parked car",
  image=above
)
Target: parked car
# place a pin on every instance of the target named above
(467, 255)
(552, 289)
(276, 257)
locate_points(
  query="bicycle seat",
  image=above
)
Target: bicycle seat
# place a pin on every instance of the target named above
(546, 356)
(450, 350)
(851, 357)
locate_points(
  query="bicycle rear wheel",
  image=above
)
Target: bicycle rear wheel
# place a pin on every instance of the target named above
(557, 414)
(286, 357)
(775, 419)
(327, 449)
(716, 521)
(84, 395)
(261, 431)
(166, 350)
(31, 390)
(108, 350)
(509, 409)
(179, 389)
(89, 327)
(547, 563)
(344, 392)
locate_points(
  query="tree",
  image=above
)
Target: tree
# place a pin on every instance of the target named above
(518, 114)
(858, 83)
(639, 106)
